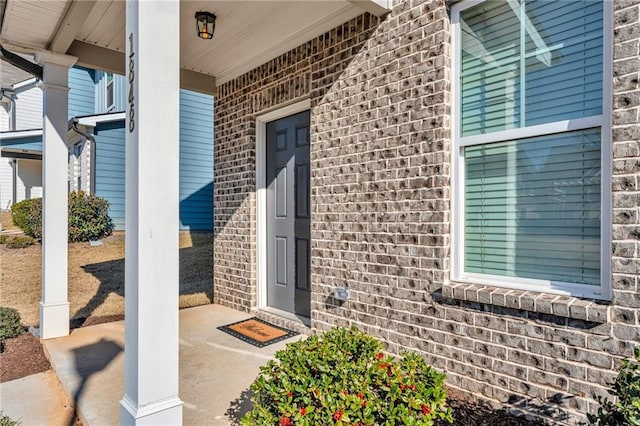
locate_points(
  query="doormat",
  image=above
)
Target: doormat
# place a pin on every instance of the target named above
(257, 332)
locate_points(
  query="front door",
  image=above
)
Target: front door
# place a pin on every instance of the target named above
(288, 214)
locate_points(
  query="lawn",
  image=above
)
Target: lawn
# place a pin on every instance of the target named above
(96, 276)
(7, 223)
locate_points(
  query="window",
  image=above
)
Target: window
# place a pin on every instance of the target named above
(109, 92)
(531, 140)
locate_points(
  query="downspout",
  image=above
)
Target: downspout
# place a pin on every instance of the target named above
(15, 182)
(92, 153)
(10, 95)
(20, 62)
(12, 117)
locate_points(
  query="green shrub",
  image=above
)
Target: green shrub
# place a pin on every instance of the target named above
(626, 387)
(21, 214)
(35, 219)
(20, 242)
(344, 378)
(88, 217)
(8, 421)
(3, 238)
(10, 325)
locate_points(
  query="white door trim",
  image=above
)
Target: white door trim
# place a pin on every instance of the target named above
(261, 191)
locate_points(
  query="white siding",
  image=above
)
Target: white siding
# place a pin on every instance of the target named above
(29, 179)
(29, 107)
(85, 167)
(6, 186)
(79, 166)
(5, 118)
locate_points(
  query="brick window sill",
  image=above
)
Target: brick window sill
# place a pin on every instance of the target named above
(544, 303)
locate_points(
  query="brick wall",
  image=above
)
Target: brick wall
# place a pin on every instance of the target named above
(381, 155)
(310, 68)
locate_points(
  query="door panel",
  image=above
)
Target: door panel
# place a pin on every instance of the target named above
(281, 261)
(281, 192)
(303, 197)
(288, 214)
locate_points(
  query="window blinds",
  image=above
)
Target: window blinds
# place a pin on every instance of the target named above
(529, 62)
(532, 208)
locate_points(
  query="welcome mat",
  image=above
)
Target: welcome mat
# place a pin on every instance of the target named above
(257, 332)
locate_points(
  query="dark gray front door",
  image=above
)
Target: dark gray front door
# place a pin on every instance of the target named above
(288, 214)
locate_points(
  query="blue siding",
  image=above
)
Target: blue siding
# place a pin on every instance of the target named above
(81, 91)
(196, 161)
(109, 168)
(120, 89)
(31, 143)
(196, 164)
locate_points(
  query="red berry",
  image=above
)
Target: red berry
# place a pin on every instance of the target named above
(425, 409)
(285, 421)
(337, 415)
(379, 356)
(290, 394)
(303, 411)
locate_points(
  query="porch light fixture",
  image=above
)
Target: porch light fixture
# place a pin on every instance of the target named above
(205, 25)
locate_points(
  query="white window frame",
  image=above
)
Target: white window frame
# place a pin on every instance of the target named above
(602, 292)
(108, 83)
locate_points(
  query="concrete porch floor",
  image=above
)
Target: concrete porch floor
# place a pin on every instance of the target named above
(216, 369)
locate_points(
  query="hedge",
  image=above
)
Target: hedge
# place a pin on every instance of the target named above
(88, 217)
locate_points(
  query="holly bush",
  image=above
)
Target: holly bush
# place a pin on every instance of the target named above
(626, 387)
(343, 378)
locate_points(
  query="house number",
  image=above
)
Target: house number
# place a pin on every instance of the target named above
(132, 79)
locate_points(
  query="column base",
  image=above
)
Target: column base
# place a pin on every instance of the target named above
(166, 412)
(54, 320)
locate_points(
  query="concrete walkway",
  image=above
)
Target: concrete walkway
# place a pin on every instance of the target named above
(216, 369)
(36, 400)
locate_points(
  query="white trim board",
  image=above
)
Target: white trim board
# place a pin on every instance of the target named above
(261, 191)
(17, 134)
(92, 120)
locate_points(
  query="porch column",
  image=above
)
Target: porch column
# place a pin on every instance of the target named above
(54, 306)
(152, 196)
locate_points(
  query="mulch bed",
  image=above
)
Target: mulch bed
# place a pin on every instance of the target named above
(22, 356)
(468, 413)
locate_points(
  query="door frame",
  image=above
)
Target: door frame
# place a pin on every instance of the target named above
(261, 191)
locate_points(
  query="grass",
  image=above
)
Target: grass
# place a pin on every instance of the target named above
(7, 223)
(96, 276)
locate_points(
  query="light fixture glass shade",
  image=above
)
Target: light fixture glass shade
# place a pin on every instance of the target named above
(205, 24)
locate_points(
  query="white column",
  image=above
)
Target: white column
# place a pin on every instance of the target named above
(54, 307)
(151, 242)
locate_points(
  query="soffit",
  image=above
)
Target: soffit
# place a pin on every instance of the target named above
(248, 33)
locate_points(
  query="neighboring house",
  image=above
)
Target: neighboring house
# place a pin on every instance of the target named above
(468, 170)
(20, 139)
(96, 146)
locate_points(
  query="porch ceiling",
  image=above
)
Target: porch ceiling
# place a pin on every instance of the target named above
(248, 33)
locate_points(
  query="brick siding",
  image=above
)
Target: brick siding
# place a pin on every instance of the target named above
(380, 160)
